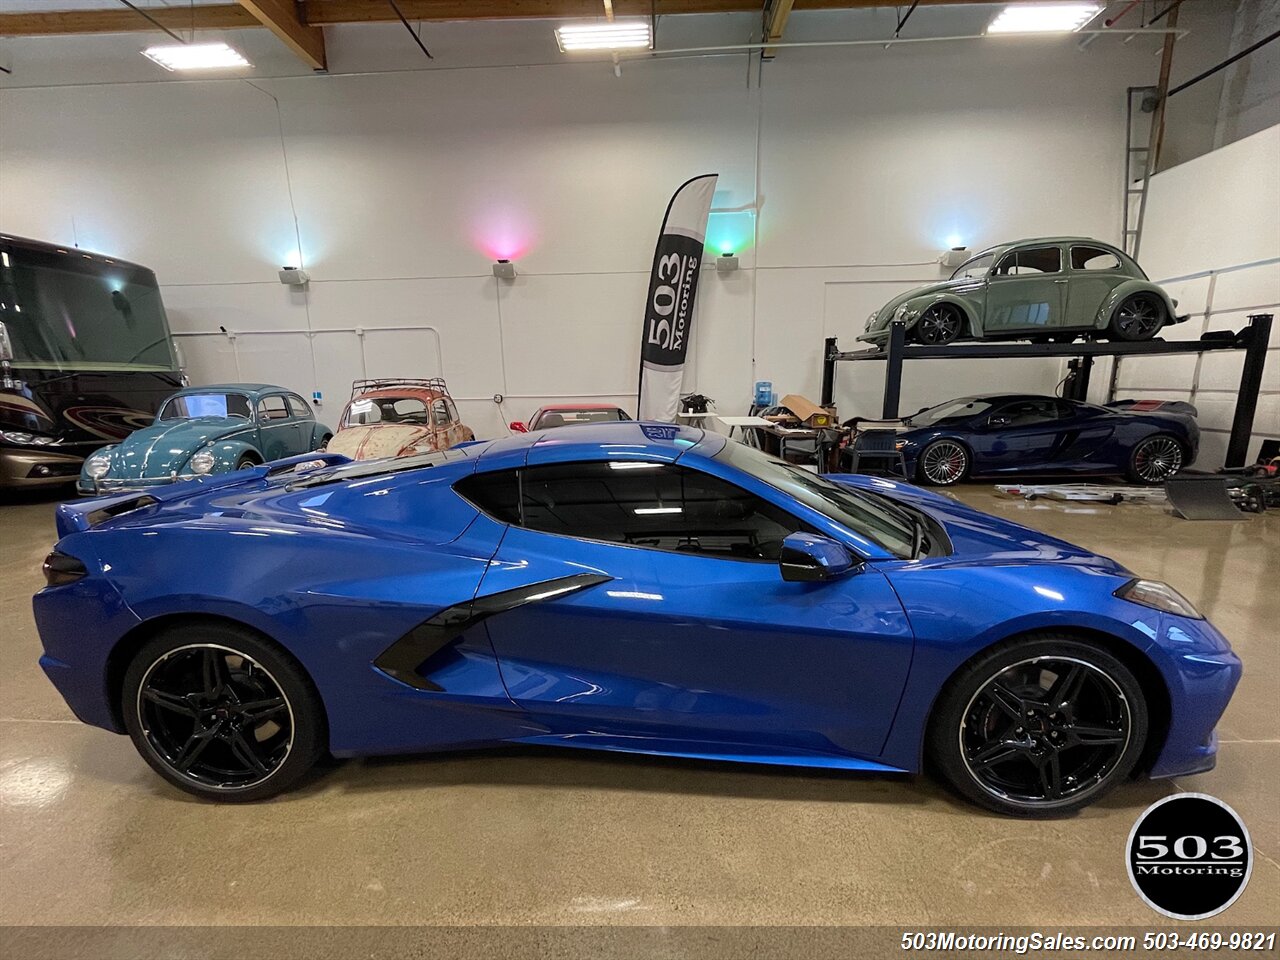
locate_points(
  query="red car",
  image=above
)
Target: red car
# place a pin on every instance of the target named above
(562, 414)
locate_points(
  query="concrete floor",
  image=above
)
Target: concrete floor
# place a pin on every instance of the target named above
(89, 835)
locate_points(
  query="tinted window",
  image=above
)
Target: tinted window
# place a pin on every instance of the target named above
(645, 505)
(1030, 261)
(960, 409)
(206, 405)
(298, 407)
(1093, 258)
(1027, 412)
(273, 408)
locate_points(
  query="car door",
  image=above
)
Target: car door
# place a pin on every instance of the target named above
(1026, 293)
(1021, 435)
(694, 637)
(1083, 435)
(446, 425)
(276, 427)
(1095, 272)
(303, 437)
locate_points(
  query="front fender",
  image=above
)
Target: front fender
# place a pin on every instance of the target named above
(1128, 289)
(318, 434)
(227, 454)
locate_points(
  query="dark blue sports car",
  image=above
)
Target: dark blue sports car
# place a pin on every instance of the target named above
(1022, 434)
(625, 586)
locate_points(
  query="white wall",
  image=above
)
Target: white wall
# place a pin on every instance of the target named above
(1212, 236)
(405, 185)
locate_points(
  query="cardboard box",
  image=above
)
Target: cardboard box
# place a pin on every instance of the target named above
(809, 413)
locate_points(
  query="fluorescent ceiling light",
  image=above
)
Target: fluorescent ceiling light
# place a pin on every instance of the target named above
(1044, 17)
(619, 35)
(196, 56)
(646, 511)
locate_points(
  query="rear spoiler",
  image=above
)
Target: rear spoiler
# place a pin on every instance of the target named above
(1154, 406)
(82, 515)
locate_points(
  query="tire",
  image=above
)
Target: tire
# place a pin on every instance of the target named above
(324, 442)
(1155, 459)
(246, 460)
(1138, 317)
(939, 325)
(183, 703)
(943, 463)
(1026, 751)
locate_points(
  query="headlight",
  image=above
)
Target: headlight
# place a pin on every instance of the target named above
(202, 462)
(1158, 596)
(97, 466)
(905, 313)
(871, 320)
(16, 436)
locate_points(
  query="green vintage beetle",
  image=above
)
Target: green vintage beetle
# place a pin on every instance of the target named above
(206, 430)
(1049, 288)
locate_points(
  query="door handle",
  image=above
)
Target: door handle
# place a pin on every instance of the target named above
(1059, 281)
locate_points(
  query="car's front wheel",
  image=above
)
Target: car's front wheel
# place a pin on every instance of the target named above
(1138, 317)
(940, 324)
(1039, 726)
(222, 713)
(943, 463)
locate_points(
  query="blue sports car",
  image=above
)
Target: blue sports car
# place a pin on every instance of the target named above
(624, 586)
(1022, 434)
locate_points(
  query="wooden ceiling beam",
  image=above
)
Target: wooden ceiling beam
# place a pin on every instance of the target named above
(316, 13)
(281, 18)
(776, 13)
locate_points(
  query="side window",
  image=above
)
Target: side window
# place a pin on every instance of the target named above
(1030, 261)
(1026, 413)
(453, 411)
(272, 408)
(298, 408)
(1093, 258)
(405, 410)
(440, 412)
(657, 506)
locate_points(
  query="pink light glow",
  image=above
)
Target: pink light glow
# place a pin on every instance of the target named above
(503, 234)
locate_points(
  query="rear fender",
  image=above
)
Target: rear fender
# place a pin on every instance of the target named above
(1127, 289)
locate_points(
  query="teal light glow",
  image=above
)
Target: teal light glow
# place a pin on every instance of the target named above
(954, 240)
(730, 231)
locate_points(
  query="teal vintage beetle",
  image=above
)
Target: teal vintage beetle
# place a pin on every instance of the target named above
(206, 430)
(1046, 289)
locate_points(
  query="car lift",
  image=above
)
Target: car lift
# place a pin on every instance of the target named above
(1253, 340)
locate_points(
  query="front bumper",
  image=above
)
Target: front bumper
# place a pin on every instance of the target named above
(1201, 671)
(107, 486)
(25, 467)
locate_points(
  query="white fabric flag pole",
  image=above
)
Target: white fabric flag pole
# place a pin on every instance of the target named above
(668, 312)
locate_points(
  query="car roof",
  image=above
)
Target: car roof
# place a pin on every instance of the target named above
(253, 388)
(613, 440)
(1044, 240)
(385, 392)
(579, 406)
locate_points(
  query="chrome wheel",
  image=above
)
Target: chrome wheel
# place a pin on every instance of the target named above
(215, 716)
(944, 462)
(1157, 458)
(938, 325)
(1045, 731)
(1139, 318)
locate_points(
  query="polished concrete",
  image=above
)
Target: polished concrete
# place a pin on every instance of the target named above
(88, 835)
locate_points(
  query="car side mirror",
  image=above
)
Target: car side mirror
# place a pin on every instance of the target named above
(517, 426)
(808, 558)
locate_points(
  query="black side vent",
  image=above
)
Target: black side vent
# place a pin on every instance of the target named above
(116, 509)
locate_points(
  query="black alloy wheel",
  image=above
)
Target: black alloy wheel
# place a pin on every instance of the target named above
(943, 463)
(1155, 459)
(940, 324)
(222, 713)
(1138, 317)
(1040, 728)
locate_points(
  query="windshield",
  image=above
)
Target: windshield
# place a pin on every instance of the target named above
(977, 267)
(366, 411)
(206, 405)
(70, 311)
(857, 511)
(961, 409)
(559, 418)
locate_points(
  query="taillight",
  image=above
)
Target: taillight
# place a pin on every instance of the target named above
(60, 568)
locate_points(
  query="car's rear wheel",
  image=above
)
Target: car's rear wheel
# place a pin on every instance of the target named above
(1139, 317)
(1155, 459)
(222, 713)
(940, 324)
(1039, 726)
(943, 463)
